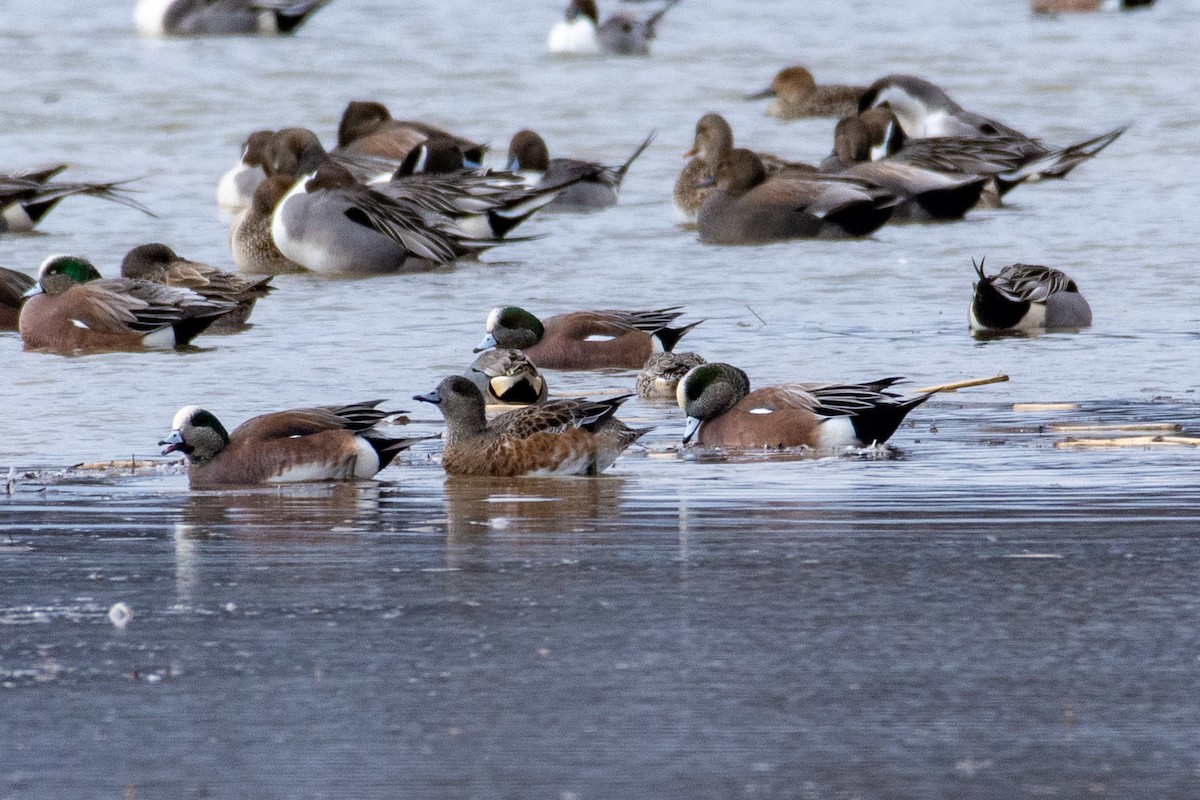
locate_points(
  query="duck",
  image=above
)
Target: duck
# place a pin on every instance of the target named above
(72, 308)
(1007, 160)
(26, 196)
(580, 31)
(1073, 6)
(487, 204)
(250, 240)
(584, 339)
(507, 377)
(926, 194)
(159, 263)
(712, 143)
(367, 128)
(662, 372)
(159, 18)
(595, 186)
(236, 188)
(925, 110)
(722, 411)
(557, 437)
(330, 224)
(323, 443)
(798, 95)
(13, 286)
(1027, 297)
(750, 208)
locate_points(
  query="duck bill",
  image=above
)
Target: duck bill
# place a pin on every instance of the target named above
(763, 95)
(695, 151)
(36, 289)
(429, 397)
(488, 343)
(173, 442)
(693, 425)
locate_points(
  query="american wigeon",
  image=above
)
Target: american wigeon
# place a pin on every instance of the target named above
(747, 207)
(508, 377)
(1075, 6)
(367, 128)
(327, 443)
(159, 263)
(28, 195)
(250, 238)
(223, 18)
(926, 194)
(13, 286)
(723, 412)
(1026, 297)
(558, 437)
(72, 308)
(333, 225)
(584, 339)
(662, 372)
(237, 185)
(593, 185)
(580, 31)
(923, 109)
(798, 95)
(712, 143)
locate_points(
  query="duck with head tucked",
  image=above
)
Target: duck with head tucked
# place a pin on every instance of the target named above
(324, 443)
(73, 308)
(584, 339)
(1027, 297)
(368, 129)
(222, 17)
(722, 411)
(507, 377)
(558, 437)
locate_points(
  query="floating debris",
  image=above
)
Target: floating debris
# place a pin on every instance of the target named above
(120, 614)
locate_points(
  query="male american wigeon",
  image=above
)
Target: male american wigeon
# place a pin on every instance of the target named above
(508, 377)
(159, 263)
(923, 109)
(594, 185)
(712, 143)
(367, 128)
(1027, 297)
(26, 196)
(926, 194)
(237, 185)
(13, 286)
(250, 240)
(747, 207)
(225, 18)
(558, 437)
(584, 339)
(73, 308)
(797, 95)
(662, 372)
(580, 31)
(723, 412)
(328, 443)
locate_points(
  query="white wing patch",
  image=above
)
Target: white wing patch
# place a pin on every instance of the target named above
(599, 337)
(761, 410)
(78, 323)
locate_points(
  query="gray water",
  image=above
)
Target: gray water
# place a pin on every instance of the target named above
(979, 612)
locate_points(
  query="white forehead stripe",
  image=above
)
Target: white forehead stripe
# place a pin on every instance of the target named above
(493, 319)
(183, 415)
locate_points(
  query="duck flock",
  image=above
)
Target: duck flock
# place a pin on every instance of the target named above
(403, 196)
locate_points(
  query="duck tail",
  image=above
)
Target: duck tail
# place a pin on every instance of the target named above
(387, 448)
(876, 426)
(1059, 163)
(671, 336)
(621, 170)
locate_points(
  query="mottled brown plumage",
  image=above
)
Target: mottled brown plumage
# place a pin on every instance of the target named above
(558, 437)
(159, 263)
(798, 95)
(250, 239)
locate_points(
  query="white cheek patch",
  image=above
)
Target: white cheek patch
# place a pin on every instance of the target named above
(599, 337)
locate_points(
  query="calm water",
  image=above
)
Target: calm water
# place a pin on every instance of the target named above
(980, 613)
